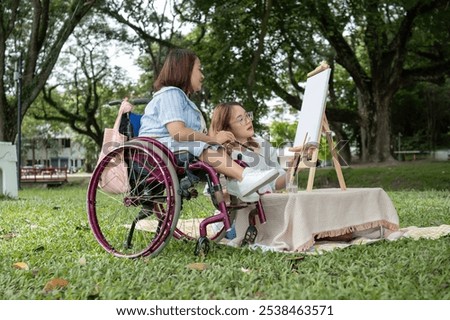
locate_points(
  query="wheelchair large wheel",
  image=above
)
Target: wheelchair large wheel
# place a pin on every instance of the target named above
(134, 214)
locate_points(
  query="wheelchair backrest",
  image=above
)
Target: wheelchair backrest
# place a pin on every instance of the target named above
(130, 124)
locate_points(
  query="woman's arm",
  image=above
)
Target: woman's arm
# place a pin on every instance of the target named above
(280, 183)
(180, 132)
(125, 107)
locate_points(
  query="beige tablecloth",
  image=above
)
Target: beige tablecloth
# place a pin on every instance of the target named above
(294, 220)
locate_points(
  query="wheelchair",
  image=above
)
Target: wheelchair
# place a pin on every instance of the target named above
(160, 199)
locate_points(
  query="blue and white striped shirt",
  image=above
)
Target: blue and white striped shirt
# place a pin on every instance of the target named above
(168, 105)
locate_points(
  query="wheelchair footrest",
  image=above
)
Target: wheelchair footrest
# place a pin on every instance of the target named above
(250, 236)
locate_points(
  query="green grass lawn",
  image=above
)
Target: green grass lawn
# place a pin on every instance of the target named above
(48, 230)
(413, 175)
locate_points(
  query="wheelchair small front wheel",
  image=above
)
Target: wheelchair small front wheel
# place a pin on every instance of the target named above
(202, 246)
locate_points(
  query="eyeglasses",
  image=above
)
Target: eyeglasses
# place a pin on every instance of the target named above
(242, 120)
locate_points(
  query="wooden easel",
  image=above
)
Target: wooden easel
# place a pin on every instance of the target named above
(301, 156)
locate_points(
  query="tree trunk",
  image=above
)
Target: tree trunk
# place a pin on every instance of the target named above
(367, 109)
(363, 128)
(375, 126)
(43, 47)
(383, 136)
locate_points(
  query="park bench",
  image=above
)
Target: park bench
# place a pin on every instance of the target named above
(411, 154)
(45, 175)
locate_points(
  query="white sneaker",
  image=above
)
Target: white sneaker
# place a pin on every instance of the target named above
(233, 189)
(252, 180)
(216, 226)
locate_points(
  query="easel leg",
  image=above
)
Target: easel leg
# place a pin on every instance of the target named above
(312, 169)
(334, 155)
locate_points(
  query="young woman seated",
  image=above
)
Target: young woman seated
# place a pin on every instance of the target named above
(256, 152)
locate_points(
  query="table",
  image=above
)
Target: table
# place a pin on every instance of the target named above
(294, 221)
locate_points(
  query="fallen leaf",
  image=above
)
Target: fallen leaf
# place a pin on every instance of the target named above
(8, 236)
(21, 266)
(55, 283)
(198, 266)
(245, 270)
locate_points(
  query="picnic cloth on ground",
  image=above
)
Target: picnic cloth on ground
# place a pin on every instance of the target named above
(372, 235)
(294, 220)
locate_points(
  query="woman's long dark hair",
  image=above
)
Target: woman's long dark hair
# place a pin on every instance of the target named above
(177, 70)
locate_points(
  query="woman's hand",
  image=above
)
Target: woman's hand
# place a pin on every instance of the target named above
(224, 137)
(304, 150)
(125, 106)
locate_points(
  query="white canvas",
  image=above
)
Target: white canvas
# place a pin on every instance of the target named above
(313, 108)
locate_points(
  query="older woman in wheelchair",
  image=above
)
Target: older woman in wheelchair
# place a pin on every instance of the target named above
(164, 164)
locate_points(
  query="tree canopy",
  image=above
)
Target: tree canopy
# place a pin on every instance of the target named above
(268, 47)
(382, 53)
(37, 31)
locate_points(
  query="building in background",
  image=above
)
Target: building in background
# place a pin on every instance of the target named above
(59, 151)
